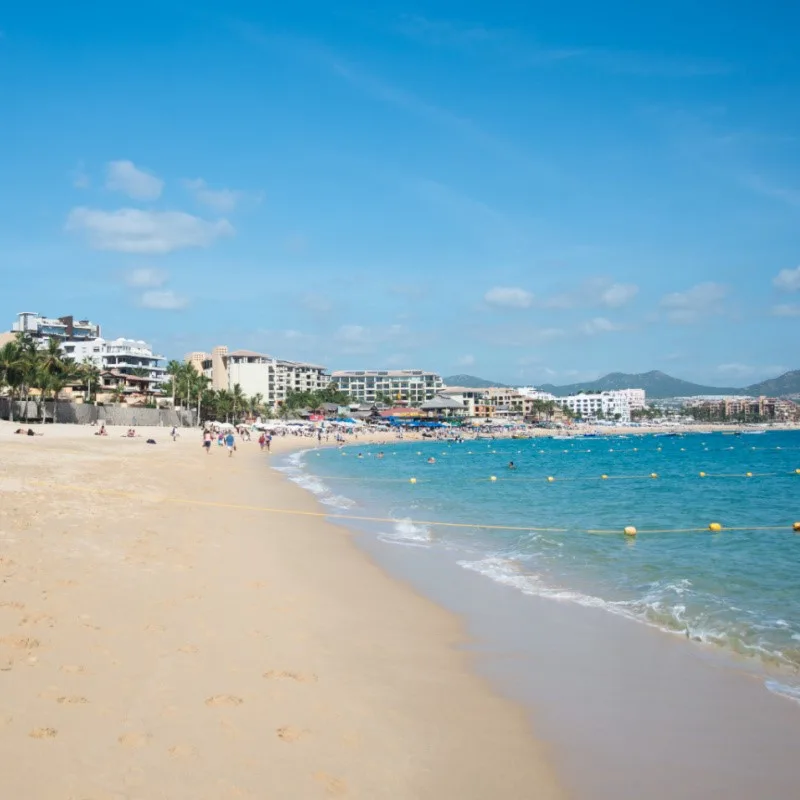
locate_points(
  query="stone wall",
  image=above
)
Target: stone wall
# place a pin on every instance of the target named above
(85, 414)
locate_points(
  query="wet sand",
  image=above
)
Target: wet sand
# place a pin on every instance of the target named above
(161, 636)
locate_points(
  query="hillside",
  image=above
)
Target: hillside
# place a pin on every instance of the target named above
(656, 385)
(470, 382)
(786, 384)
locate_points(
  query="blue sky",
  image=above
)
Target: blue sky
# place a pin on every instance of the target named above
(529, 192)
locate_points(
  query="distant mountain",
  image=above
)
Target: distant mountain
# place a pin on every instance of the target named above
(657, 385)
(470, 382)
(786, 384)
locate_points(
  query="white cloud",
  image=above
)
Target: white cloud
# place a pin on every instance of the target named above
(163, 299)
(594, 292)
(786, 310)
(465, 361)
(600, 325)
(508, 297)
(360, 340)
(618, 294)
(788, 280)
(221, 200)
(126, 177)
(146, 278)
(702, 300)
(131, 230)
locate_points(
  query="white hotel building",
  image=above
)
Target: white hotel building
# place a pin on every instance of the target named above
(257, 373)
(612, 405)
(118, 360)
(412, 386)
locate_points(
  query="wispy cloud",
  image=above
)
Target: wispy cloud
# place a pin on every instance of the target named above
(693, 304)
(371, 85)
(80, 178)
(598, 325)
(224, 201)
(512, 48)
(131, 230)
(594, 292)
(146, 278)
(787, 280)
(762, 185)
(138, 184)
(786, 310)
(465, 361)
(163, 300)
(508, 297)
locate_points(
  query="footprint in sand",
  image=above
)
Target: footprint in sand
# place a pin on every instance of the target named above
(38, 619)
(134, 740)
(224, 700)
(336, 787)
(187, 648)
(20, 642)
(300, 677)
(43, 733)
(182, 751)
(73, 700)
(290, 734)
(155, 628)
(17, 606)
(73, 669)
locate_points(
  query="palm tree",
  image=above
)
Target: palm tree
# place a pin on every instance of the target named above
(256, 404)
(174, 370)
(239, 399)
(89, 374)
(11, 372)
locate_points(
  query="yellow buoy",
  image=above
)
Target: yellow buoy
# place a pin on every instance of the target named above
(493, 478)
(550, 478)
(797, 472)
(412, 480)
(748, 474)
(604, 477)
(653, 474)
(715, 526)
(796, 527)
(630, 531)
(702, 474)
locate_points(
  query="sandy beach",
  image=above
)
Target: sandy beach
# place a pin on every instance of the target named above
(161, 636)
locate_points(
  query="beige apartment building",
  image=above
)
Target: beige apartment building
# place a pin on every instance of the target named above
(257, 373)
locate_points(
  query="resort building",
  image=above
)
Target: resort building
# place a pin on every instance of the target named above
(614, 405)
(761, 409)
(63, 328)
(474, 400)
(126, 365)
(410, 386)
(534, 394)
(258, 374)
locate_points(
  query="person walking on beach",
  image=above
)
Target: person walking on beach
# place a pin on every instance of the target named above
(268, 441)
(207, 441)
(230, 443)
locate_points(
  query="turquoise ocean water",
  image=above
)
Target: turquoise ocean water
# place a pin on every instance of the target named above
(737, 589)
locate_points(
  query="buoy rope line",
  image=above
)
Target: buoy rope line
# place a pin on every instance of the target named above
(714, 527)
(561, 479)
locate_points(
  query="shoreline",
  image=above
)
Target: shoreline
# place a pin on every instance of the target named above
(163, 635)
(649, 703)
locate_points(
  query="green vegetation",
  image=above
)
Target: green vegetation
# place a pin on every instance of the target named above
(28, 371)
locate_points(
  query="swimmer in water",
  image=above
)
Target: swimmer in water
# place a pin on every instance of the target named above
(512, 465)
(431, 460)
